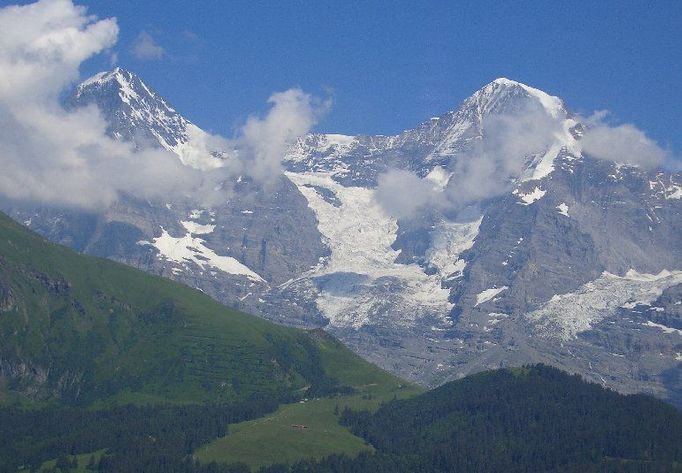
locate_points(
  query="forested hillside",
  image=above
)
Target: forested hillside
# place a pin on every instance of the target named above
(517, 420)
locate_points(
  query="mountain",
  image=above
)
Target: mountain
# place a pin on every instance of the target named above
(358, 160)
(239, 247)
(136, 113)
(568, 260)
(566, 267)
(78, 330)
(524, 419)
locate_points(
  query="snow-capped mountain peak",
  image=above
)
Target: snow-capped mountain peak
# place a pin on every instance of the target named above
(552, 104)
(437, 141)
(123, 79)
(136, 113)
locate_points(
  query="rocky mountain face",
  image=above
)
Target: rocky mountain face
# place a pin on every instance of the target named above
(136, 113)
(573, 261)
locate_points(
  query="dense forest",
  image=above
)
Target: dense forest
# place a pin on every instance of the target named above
(519, 420)
(152, 438)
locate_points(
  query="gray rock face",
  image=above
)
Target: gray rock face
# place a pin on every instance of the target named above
(557, 259)
(577, 262)
(134, 112)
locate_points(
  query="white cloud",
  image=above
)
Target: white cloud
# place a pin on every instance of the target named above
(501, 157)
(191, 36)
(65, 158)
(263, 142)
(488, 170)
(495, 163)
(402, 193)
(146, 48)
(624, 144)
(42, 45)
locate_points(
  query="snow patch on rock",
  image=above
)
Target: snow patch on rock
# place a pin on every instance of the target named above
(663, 328)
(488, 294)
(567, 315)
(449, 240)
(191, 249)
(531, 197)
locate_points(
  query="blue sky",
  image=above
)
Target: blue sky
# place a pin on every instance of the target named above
(391, 65)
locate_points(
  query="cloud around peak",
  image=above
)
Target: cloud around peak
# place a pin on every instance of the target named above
(43, 44)
(510, 143)
(487, 169)
(625, 144)
(65, 157)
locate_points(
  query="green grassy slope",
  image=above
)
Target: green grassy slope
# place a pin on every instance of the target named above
(81, 330)
(281, 437)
